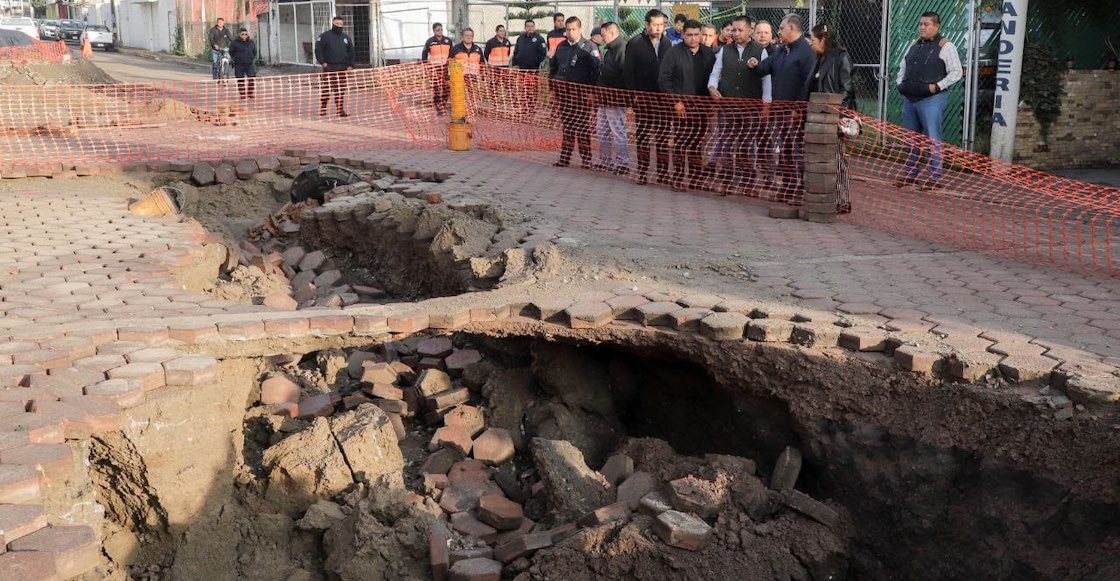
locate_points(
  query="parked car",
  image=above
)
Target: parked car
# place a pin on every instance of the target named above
(48, 30)
(100, 37)
(70, 30)
(20, 24)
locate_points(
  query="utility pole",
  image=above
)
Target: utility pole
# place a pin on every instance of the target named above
(460, 16)
(1005, 113)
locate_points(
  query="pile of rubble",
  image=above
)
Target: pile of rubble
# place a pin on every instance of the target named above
(496, 496)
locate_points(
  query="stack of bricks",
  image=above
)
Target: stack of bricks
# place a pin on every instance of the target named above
(821, 146)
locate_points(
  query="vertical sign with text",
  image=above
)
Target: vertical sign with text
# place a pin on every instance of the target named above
(1005, 112)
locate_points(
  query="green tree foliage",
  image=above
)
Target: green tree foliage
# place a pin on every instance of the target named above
(519, 12)
(1041, 88)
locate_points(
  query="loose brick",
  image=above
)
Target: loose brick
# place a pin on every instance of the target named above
(75, 549)
(770, 330)
(624, 307)
(431, 382)
(453, 437)
(522, 546)
(610, 513)
(51, 461)
(494, 446)
(374, 372)
(724, 326)
(812, 334)
(20, 520)
(697, 496)
(449, 318)
(441, 461)
(634, 488)
(19, 484)
(476, 569)
(461, 497)
(458, 361)
(683, 531)
(688, 319)
(438, 551)
(467, 524)
(386, 391)
(469, 418)
(28, 566)
(786, 469)
(1022, 368)
(550, 308)
(446, 399)
(503, 537)
(316, 405)
(471, 553)
(655, 503)
(499, 512)
(811, 508)
(435, 347)
(616, 469)
(191, 370)
(279, 389)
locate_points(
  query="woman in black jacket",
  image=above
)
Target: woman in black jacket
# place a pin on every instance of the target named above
(833, 74)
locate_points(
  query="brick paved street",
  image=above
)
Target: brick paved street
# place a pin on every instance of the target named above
(879, 276)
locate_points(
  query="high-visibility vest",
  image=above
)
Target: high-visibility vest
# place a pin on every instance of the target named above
(499, 56)
(437, 53)
(470, 62)
(553, 42)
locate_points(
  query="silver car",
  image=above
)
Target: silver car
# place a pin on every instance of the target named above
(48, 30)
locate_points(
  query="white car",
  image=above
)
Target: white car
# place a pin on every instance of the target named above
(100, 37)
(21, 24)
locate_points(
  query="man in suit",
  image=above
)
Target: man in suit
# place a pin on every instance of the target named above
(640, 71)
(684, 72)
(740, 123)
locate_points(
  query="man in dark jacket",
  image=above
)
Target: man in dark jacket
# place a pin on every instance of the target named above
(576, 63)
(739, 124)
(790, 70)
(531, 49)
(639, 71)
(614, 155)
(684, 71)
(335, 52)
(219, 40)
(243, 53)
(437, 49)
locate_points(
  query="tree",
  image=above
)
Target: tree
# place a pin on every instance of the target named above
(519, 12)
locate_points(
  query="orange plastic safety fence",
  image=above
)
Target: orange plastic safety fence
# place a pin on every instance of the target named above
(38, 50)
(726, 146)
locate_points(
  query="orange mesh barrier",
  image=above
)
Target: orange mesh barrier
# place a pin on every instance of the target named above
(54, 52)
(728, 146)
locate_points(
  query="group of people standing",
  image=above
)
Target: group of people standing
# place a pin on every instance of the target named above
(723, 142)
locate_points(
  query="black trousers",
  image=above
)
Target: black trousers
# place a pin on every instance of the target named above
(333, 83)
(245, 74)
(575, 119)
(650, 118)
(688, 152)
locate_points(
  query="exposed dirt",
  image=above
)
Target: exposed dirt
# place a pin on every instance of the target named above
(76, 72)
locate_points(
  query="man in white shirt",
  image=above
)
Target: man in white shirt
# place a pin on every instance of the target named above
(737, 122)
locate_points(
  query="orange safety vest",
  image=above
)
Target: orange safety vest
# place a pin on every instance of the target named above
(554, 41)
(437, 53)
(499, 56)
(470, 62)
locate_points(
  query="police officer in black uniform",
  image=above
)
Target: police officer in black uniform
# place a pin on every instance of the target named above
(576, 62)
(335, 52)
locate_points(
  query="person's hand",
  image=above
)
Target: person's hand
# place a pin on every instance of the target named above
(715, 93)
(933, 88)
(752, 62)
(680, 109)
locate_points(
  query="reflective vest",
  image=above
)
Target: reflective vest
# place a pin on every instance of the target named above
(499, 56)
(554, 41)
(438, 50)
(470, 58)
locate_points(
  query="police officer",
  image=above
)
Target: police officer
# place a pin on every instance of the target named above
(243, 53)
(437, 49)
(575, 62)
(497, 51)
(335, 52)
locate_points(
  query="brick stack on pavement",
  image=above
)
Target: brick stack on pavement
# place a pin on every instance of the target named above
(821, 169)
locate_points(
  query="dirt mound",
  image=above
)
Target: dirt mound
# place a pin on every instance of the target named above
(75, 72)
(164, 109)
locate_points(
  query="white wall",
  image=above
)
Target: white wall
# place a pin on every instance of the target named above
(145, 24)
(406, 24)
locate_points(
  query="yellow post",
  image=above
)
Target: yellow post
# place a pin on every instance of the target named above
(458, 131)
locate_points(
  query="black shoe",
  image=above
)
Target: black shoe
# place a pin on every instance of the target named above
(560, 164)
(903, 182)
(642, 180)
(342, 113)
(844, 208)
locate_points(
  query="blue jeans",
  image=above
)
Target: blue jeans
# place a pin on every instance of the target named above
(925, 117)
(610, 126)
